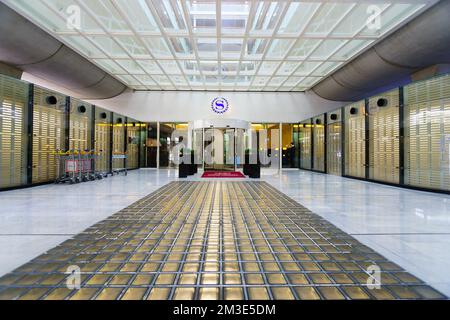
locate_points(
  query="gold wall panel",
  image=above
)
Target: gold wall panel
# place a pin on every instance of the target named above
(384, 135)
(13, 126)
(355, 144)
(48, 135)
(133, 137)
(334, 145)
(427, 134)
(102, 141)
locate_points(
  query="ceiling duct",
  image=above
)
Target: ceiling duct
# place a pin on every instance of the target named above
(423, 42)
(25, 46)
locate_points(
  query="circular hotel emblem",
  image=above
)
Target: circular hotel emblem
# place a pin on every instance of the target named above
(220, 105)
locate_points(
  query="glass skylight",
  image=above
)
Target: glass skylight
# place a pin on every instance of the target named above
(254, 45)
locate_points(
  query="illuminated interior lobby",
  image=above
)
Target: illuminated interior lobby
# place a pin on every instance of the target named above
(224, 150)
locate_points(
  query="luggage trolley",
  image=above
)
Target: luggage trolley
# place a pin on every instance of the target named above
(68, 170)
(120, 156)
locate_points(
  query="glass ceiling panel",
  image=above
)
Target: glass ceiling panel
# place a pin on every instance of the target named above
(207, 47)
(266, 17)
(327, 48)
(110, 66)
(355, 21)
(88, 24)
(325, 68)
(150, 66)
(350, 49)
(219, 44)
(158, 47)
(133, 46)
(268, 67)
(139, 15)
(297, 17)
(394, 15)
(183, 47)
(108, 45)
(86, 47)
(328, 16)
(306, 68)
(131, 66)
(170, 13)
(279, 48)
(303, 48)
(40, 13)
(287, 68)
(202, 14)
(234, 16)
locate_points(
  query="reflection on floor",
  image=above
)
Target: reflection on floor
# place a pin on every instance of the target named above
(213, 240)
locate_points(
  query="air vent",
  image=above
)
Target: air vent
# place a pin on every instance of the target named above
(51, 100)
(382, 102)
(82, 109)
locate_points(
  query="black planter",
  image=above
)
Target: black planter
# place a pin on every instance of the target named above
(183, 170)
(252, 170)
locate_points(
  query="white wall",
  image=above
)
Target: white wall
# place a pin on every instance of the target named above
(168, 106)
(183, 106)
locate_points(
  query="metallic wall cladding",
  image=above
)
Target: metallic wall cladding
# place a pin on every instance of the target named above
(32, 50)
(417, 45)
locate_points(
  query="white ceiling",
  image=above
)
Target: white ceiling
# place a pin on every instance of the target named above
(218, 45)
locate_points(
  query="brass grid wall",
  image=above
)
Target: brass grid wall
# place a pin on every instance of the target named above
(384, 135)
(355, 140)
(334, 148)
(133, 133)
(102, 144)
(213, 240)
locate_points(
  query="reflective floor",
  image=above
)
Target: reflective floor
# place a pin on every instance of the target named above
(213, 240)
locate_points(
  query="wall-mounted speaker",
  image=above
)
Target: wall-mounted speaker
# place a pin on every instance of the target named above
(103, 115)
(82, 109)
(119, 120)
(51, 100)
(382, 102)
(334, 117)
(318, 121)
(353, 111)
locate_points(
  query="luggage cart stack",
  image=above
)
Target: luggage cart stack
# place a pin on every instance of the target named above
(120, 156)
(75, 166)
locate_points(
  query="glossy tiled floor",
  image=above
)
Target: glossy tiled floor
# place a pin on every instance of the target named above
(213, 240)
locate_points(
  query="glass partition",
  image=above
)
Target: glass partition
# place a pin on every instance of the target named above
(103, 139)
(290, 145)
(319, 143)
(427, 134)
(305, 134)
(133, 136)
(13, 132)
(118, 151)
(151, 145)
(334, 142)
(172, 137)
(384, 137)
(355, 140)
(49, 133)
(265, 137)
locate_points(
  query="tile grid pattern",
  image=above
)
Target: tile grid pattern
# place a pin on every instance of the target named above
(213, 240)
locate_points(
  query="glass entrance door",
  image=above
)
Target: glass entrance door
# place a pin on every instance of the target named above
(219, 149)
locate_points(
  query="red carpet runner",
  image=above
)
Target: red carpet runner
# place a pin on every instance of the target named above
(217, 174)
